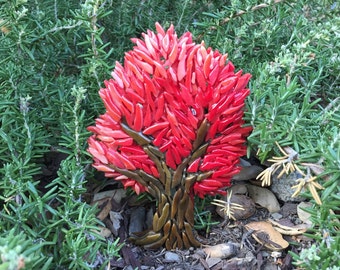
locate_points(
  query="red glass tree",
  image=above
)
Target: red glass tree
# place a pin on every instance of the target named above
(173, 128)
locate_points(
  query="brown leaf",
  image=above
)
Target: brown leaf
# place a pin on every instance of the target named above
(289, 229)
(115, 218)
(104, 232)
(265, 234)
(303, 215)
(105, 209)
(116, 194)
(264, 197)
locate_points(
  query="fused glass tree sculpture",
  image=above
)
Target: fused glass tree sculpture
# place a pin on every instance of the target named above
(173, 128)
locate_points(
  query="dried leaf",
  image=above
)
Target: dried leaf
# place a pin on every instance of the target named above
(265, 234)
(289, 230)
(116, 194)
(264, 197)
(104, 232)
(238, 189)
(303, 215)
(105, 209)
(115, 218)
(247, 173)
(316, 168)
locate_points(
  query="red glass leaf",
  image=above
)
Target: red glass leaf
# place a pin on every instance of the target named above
(97, 150)
(134, 96)
(150, 86)
(155, 127)
(170, 160)
(148, 116)
(187, 131)
(138, 122)
(173, 53)
(134, 150)
(159, 138)
(166, 44)
(113, 158)
(132, 67)
(202, 82)
(171, 117)
(138, 87)
(149, 46)
(211, 183)
(206, 65)
(175, 154)
(165, 146)
(181, 69)
(143, 56)
(193, 167)
(207, 166)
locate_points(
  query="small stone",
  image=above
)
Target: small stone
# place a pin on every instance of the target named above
(276, 216)
(212, 261)
(276, 254)
(282, 187)
(288, 209)
(221, 251)
(244, 201)
(250, 257)
(172, 257)
(137, 220)
(270, 266)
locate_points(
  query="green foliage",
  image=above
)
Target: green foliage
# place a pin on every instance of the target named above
(291, 49)
(18, 252)
(49, 53)
(54, 56)
(203, 217)
(324, 254)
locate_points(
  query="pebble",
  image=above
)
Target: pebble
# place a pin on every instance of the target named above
(222, 251)
(282, 187)
(172, 257)
(289, 209)
(212, 261)
(137, 220)
(247, 204)
(276, 216)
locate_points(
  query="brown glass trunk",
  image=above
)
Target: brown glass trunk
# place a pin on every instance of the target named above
(173, 220)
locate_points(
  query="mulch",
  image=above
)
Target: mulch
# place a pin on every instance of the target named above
(245, 252)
